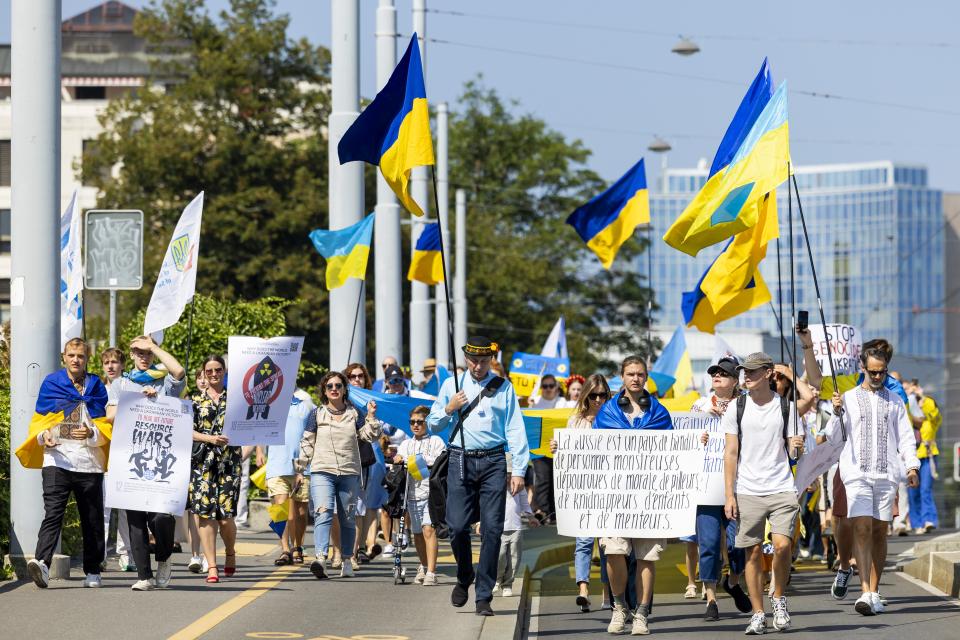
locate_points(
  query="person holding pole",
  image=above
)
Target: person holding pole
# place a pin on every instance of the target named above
(113, 361)
(880, 433)
(632, 408)
(760, 430)
(149, 380)
(485, 419)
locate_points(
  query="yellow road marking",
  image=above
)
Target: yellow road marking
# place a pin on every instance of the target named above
(207, 622)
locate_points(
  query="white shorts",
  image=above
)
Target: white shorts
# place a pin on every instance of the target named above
(873, 497)
(419, 515)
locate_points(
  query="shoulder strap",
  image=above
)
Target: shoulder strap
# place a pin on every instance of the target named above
(741, 407)
(489, 389)
(785, 411)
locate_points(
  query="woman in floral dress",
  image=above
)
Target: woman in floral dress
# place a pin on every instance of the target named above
(215, 475)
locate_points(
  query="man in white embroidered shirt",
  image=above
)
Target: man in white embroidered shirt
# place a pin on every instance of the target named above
(879, 432)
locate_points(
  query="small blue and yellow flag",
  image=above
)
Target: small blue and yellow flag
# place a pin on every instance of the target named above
(346, 251)
(753, 159)
(609, 219)
(427, 263)
(673, 369)
(417, 468)
(393, 132)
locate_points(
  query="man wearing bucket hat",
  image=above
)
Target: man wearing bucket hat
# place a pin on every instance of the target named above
(484, 420)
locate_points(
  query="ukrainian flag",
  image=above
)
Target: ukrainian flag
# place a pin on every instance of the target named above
(346, 251)
(394, 130)
(417, 468)
(758, 147)
(608, 220)
(697, 310)
(427, 263)
(673, 369)
(58, 398)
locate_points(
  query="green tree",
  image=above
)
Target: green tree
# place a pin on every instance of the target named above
(526, 266)
(242, 115)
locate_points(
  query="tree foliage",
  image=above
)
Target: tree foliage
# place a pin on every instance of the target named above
(526, 266)
(242, 116)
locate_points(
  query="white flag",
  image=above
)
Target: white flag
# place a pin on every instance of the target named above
(556, 344)
(177, 280)
(721, 349)
(71, 272)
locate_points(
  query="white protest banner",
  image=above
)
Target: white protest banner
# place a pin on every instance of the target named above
(845, 343)
(714, 494)
(627, 483)
(262, 379)
(150, 454)
(815, 463)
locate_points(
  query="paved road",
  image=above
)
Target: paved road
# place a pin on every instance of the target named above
(912, 611)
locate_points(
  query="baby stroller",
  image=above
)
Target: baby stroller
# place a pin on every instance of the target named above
(396, 507)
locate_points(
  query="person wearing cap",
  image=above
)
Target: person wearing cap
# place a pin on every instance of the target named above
(759, 429)
(712, 525)
(632, 408)
(878, 433)
(493, 424)
(379, 385)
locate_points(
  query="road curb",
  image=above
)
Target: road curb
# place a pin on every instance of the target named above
(513, 624)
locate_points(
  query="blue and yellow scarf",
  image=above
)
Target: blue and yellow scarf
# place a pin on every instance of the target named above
(57, 399)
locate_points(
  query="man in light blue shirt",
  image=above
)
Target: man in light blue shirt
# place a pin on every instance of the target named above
(477, 465)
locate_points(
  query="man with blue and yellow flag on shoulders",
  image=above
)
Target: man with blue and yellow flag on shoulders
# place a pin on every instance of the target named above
(69, 439)
(632, 408)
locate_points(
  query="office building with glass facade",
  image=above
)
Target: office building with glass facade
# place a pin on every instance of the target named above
(876, 233)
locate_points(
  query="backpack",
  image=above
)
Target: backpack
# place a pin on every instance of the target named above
(784, 410)
(437, 503)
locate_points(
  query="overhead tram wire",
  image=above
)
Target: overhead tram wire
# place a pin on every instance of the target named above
(826, 95)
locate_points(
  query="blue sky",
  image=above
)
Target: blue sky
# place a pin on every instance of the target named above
(878, 54)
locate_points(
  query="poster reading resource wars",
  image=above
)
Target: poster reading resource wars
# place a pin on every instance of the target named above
(262, 375)
(150, 454)
(632, 484)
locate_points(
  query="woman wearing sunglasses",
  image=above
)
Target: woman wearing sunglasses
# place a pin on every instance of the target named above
(330, 448)
(593, 394)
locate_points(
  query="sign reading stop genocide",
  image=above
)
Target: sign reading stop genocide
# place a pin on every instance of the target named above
(844, 343)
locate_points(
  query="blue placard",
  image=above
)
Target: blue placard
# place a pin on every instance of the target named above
(539, 365)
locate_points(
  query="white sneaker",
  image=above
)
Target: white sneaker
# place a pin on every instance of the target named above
(125, 564)
(164, 571)
(864, 605)
(39, 572)
(346, 571)
(430, 579)
(388, 550)
(804, 553)
(195, 565)
(92, 580)
(204, 565)
(618, 621)
(421, 574)
(781, 617)
(640, 627)
(507, 592)
(497, 589)
(143, 585)
(877, 601)
(758, 625)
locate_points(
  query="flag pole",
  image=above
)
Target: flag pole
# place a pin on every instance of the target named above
(780, 300)
(186, 367)
(816, 286)
(446, 280)
(356, 318)
(793, 315)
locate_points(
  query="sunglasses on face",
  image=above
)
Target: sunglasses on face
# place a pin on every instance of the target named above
(395, 381)
(599, 396)
(213, 372)
(548, 386)
(876, 374)
(334, 386)
(356, 376)
(416, 422)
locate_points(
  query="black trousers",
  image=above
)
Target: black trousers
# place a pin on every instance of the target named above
(543, 485)
(163, 526)
(87, 489)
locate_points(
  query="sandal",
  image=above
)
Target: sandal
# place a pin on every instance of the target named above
(214, 577)
(298, 555)
(284, 559)
(691, 592)
(228, 569)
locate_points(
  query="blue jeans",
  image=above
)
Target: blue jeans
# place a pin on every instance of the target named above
(923, 508)
(478, 496)
(325, 489)
(582, 557)
(711, 525)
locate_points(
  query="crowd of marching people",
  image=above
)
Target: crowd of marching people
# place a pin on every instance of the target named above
(351, 475)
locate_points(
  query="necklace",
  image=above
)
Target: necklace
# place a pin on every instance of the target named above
(720, 403)
(335, 412)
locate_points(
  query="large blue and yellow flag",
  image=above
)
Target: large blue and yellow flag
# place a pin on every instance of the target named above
(427, 262)
(752, 161)
(346, 251)
(673, 369)
(58, 401)
(699, 313)
(609, 219)
(394, 130)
